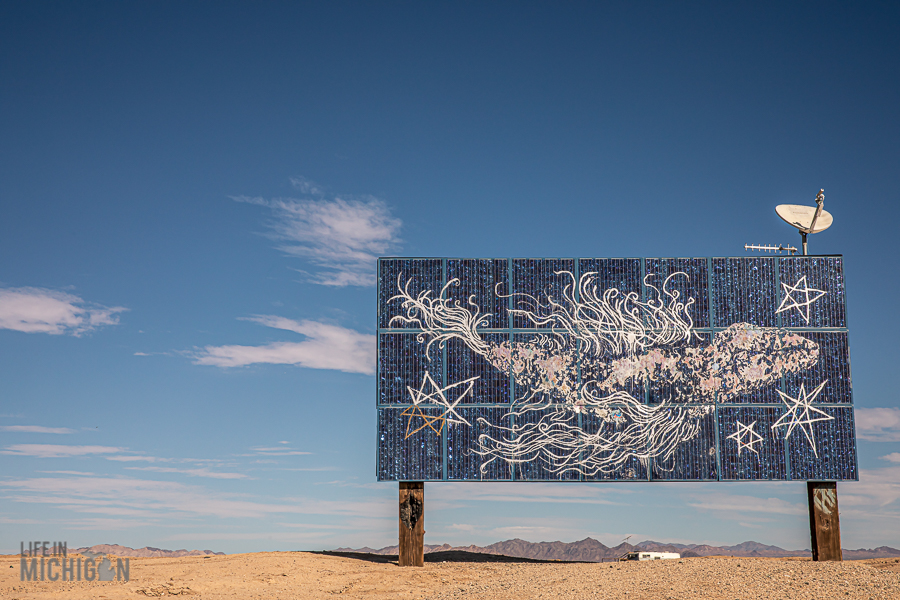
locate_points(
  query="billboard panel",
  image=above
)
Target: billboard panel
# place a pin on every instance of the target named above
(614, 369)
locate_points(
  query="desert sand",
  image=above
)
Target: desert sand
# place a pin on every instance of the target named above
(301, 575)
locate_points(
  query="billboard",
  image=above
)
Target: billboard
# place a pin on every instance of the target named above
(614, 369)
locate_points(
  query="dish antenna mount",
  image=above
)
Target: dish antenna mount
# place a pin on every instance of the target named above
(807, 219)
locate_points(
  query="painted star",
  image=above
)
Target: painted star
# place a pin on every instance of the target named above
(799, 414)
(752, 437)
(413, 412)
(805, 296)
(435, 396)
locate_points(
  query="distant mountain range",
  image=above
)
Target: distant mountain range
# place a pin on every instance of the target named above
(590, 550)
(146, 552)
(586, 550)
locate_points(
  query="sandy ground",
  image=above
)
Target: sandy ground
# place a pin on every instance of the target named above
(301, 575)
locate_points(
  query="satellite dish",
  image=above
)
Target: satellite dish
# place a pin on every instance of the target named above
(801, 217)
(807, 219)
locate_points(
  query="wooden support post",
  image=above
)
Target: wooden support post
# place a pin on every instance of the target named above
(824, 521)
(412, 524)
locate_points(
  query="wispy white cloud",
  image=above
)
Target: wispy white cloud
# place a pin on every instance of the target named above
(276, 451)
(456, 495)
(8, 521)
(202, 472)
(527, 531)
(38, 310)
(893, 457)
(340, 236)
(551, 526)
(57, 450)
(870, 508)
(155, 459)
(151, 498)
(737, 504)
(326, 347)
(307, 186)
(308, 470)
(296, 537)
(876, 494)
(35, 429)
(101, 524)
(878, 424)
(325, 526)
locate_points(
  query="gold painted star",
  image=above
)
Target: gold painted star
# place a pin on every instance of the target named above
(436, 396)
(805, 296)
(799, 414)
(415, 411)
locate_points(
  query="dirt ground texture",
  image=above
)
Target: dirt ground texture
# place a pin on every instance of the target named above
(301, 575)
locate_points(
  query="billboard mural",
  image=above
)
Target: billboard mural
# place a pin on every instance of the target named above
(614, 369)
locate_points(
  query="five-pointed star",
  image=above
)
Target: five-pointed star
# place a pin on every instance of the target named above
(799, 414)
(805, 296)
(436, 396)
(415, 411)
(752, 437)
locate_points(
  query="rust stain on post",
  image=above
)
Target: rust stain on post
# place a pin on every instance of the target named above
(412, 524)
(824, 520)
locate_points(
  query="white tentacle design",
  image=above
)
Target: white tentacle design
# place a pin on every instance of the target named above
(626, 429)
(441, 318)
(612, 321)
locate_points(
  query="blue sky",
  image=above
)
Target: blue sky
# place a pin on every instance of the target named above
(193, 197)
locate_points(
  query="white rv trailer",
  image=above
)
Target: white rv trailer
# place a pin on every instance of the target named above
(650, 555)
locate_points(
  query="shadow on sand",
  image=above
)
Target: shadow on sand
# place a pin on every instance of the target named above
(446, 556)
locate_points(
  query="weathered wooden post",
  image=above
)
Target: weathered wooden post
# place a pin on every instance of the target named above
(824, 520)
(412, 524)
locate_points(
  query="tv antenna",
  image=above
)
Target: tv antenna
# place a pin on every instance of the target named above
(779, 248)
(807, 219)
